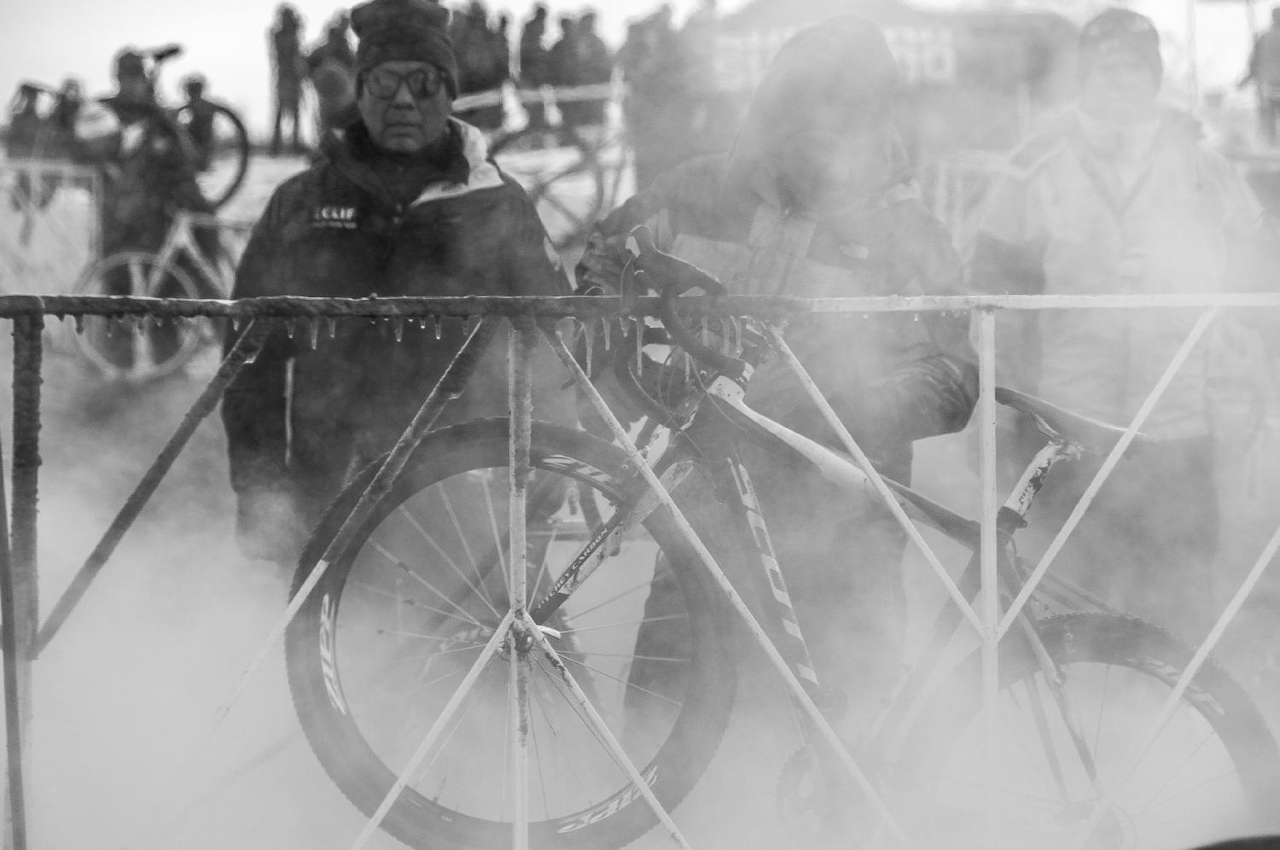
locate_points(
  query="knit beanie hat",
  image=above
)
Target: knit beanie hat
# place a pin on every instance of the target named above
(417, 30)
(841, 66)
(1123, 31)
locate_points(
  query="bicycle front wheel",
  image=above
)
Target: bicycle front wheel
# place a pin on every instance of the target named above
(1209, 773)
(139, 349)
(222, 142)
(401, 616)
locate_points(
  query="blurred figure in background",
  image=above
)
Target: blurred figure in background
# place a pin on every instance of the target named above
(595, 68)
(288, 70)
(714, 114)
(1264, 73)
(483, 64)
(332, 70)
(534, 65)
(657, 104)
(202, 115)
(1121, 196)
(564, 67)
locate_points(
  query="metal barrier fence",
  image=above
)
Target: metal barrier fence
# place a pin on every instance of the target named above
(26, 634)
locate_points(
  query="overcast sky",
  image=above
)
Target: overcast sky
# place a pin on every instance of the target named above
(46, 40)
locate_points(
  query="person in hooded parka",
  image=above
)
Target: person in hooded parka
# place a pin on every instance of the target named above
(816, 199)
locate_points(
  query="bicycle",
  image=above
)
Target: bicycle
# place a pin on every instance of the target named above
(572, 174)
(148, 350)
(409, 627)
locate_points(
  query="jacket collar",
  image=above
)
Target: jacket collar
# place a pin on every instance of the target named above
(466, 168)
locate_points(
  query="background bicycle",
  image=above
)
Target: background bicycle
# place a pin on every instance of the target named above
(138, 352)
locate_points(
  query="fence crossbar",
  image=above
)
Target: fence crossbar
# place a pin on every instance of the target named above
(589, 306)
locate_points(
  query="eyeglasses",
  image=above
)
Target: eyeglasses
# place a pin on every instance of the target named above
(422, 82)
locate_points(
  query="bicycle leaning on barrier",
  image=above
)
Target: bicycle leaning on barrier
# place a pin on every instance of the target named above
(429, 668)
(148, 350)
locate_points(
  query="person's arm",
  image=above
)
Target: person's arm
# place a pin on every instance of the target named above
(599, 272)
(934, 391)
(255, 405)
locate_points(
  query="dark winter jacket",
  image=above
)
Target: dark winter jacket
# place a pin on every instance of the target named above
(298, 418)
(892, 378)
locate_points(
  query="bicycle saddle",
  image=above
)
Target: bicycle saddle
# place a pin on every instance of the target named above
(1090, 434)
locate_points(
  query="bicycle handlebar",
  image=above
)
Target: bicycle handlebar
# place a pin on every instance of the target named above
(674, 278)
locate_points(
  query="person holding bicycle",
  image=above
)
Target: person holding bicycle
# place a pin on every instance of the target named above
(1120, 196)
(816, 199)
(404, 202)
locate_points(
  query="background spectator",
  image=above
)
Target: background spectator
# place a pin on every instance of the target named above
(289, 69)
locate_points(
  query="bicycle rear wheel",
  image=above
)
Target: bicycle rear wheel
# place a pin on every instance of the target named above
(223, 145)
(1210, 773)
(400, 617)
(137, 350)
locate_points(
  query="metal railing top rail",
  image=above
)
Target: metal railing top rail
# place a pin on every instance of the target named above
(586, 306)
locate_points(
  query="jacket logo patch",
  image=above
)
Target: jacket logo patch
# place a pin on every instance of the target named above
(331, 217)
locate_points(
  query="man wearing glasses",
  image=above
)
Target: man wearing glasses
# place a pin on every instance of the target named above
(402, 202)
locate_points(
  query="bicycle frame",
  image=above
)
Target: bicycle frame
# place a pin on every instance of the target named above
(706, 436)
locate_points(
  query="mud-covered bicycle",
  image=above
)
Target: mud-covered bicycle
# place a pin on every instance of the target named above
(419, 625)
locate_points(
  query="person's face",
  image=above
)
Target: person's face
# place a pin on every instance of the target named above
(405, 105)
(816, 164)
(1120, 88)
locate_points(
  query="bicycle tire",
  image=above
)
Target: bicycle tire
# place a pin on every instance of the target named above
(340, 726)
(569, 195)
(1230, 730)
(225, 167)
(150, 349)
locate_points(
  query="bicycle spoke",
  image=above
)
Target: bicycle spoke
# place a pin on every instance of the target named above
(413, 521)
(631, 685)
(642, 586)
(625, 655)
(625, 624)
(396, 562)
(1102, 708)
(410, 602)
(542, 567)
(500, 545)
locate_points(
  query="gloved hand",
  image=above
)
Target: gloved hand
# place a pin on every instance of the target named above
(599, 272)
(268, 527)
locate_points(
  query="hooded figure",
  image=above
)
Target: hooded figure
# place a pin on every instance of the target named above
(816, 200)
(403, 202)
